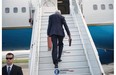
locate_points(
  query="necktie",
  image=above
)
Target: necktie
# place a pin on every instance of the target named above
(8, 70)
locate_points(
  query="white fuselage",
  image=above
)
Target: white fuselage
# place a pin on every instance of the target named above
(94, 12)
(98, 11)
(15, 13)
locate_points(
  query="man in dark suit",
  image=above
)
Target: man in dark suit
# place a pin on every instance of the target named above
(56, 32)
(10, 68)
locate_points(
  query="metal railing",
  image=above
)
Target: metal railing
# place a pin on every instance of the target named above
(34, 48)
(88, 44)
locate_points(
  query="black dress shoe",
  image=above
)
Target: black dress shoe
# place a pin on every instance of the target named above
(56, 65)
(59, 60)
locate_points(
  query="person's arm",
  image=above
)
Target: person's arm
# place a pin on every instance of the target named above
(66, 27)
(67, 30)
(20, 72)
(49, 26)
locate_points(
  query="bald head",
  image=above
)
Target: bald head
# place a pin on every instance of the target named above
(57, 12)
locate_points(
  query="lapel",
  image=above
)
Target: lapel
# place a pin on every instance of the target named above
(6, 70)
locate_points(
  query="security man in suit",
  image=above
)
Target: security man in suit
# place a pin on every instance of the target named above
(56, 32)
(10, 68)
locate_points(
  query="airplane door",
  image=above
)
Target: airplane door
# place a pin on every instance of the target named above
(63, 6)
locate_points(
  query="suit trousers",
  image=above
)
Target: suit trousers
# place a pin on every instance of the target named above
(57, 42)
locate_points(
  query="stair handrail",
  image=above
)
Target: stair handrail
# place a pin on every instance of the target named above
(89, 36)
(34, 47)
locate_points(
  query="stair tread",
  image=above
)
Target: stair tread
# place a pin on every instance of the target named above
(66, 71)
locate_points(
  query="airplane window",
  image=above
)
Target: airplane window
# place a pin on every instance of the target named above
(95, 7)
(110, 6)
(7, 10)
(23, 9)
(15, 10)
(102, 6)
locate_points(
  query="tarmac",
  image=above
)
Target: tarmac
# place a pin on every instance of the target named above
(108, 69)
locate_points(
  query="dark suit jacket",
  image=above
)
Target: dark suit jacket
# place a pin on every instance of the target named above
(55, 25)
(16, 70)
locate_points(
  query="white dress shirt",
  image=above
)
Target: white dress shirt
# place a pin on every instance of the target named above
(9, 66)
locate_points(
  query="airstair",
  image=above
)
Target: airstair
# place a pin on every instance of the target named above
(81, 58)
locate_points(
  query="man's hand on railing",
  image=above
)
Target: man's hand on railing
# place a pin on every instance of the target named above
(31, 21)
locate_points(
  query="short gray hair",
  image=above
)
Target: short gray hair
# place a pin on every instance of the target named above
(57, 12)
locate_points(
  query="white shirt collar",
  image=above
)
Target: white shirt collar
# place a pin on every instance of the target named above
(9, 66)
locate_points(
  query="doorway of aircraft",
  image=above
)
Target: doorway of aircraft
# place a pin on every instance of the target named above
(63, 6)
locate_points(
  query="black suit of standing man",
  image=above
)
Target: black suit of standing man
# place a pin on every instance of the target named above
(56, 32)
(10, 68)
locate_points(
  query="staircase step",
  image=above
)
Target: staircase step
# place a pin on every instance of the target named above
(69, 58)
(74, 38)
(74, 33)
(68, 23)
(64, 65)
(71, 30)
(67, 71)
(74, 42)
(64, 53)
(45, 48)
(46, 19)
(45, 26)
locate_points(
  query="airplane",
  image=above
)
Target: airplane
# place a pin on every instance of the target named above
(98, 14)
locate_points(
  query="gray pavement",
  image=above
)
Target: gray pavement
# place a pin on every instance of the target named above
(108, 68)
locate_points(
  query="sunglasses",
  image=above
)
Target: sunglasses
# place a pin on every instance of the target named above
(9, 58)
